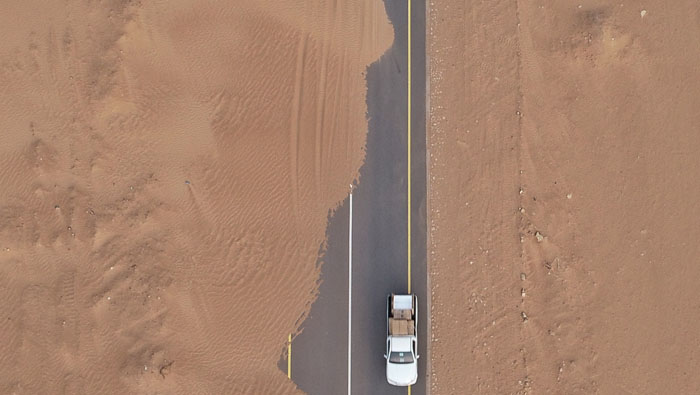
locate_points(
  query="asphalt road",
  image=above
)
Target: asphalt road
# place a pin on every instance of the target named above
(319, 352)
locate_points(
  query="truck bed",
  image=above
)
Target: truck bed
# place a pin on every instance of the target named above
(401, 315)
(400, 327)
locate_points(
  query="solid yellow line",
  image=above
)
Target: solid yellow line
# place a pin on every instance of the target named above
(409, 146)
(289, 357)
(409, 153)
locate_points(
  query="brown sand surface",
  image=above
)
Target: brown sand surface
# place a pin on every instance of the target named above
(166, 171)
(564, 164)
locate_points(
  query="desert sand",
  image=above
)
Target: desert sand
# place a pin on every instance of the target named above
(564, 164)
(166, 173)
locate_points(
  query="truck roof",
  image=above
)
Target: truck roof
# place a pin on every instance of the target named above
(401, 343)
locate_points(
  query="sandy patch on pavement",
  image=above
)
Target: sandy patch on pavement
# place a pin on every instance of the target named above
(564, 144)
(166, 172)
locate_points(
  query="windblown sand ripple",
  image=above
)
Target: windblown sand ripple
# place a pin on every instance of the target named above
(167, 169)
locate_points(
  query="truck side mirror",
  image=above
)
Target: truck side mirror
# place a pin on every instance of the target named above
(386, 356)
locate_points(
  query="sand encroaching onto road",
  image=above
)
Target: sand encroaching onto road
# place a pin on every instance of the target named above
(564, 228)
(167, 171)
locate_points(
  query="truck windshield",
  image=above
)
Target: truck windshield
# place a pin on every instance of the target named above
(401, 357)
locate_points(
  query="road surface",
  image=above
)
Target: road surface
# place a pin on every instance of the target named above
(380, 233)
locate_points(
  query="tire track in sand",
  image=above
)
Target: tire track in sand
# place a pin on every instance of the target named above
(295, 119)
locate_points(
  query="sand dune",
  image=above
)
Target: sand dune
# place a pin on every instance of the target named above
(167, 170)
(565, 154)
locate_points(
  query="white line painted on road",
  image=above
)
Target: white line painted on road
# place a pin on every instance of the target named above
(350, 298)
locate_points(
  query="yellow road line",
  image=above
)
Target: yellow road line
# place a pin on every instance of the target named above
(409, 146)
(409, 153)
(289, 357)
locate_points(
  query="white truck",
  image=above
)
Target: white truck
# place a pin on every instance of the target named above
(401, 339)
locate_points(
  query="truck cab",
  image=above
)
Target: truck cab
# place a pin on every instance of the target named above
(401, 339)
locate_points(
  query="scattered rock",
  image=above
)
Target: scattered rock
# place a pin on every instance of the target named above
(569, 196)
(539, 236)
(643, 13)
(523, 316)
(523, 276)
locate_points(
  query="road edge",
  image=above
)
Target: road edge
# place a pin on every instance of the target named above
(428, 290)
